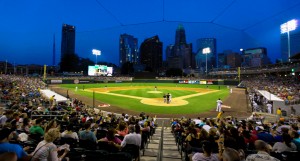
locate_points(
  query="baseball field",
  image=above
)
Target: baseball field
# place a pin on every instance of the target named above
(144, 97)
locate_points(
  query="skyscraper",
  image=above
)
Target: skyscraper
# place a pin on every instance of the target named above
(67, 40)
(179, 55)
(180, 35)
(128, 49)
(151, 54)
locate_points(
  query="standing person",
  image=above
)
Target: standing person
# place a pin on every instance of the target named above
(51, 99)
(269, 107)
(76, 88)
(168, 98)
(230, 90)
(155, 88)
(219, 104)
(278, 112)
(165, 98)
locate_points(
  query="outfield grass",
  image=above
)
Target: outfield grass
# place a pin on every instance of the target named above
(196, 104)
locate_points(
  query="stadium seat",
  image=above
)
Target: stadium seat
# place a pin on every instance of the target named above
(133, 150)
(87, 144)
(116, 156)
(96, 155)
(104, 145)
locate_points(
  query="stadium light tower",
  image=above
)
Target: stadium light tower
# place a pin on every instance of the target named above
(286, 28)
(206, 51)
(96, 52)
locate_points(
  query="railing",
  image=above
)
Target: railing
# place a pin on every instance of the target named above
(50, 114)
(160, 146)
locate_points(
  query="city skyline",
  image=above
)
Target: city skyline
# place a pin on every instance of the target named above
(27, 28)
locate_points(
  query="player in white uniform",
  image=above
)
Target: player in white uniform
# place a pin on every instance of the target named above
(219, 104)
(269, 107)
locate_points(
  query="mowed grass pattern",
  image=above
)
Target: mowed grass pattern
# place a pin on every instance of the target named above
(196, 104)
(145, 92)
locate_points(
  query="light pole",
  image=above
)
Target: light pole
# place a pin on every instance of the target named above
(286, 28)
(96, 52)
(206, 51)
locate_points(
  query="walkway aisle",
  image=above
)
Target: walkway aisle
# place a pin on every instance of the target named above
(153, 146)
(170, 152)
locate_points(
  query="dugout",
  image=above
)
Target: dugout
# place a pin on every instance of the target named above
(277, 102)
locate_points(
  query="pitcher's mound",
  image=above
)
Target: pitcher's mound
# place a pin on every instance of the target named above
(160, 102)
(154, 92)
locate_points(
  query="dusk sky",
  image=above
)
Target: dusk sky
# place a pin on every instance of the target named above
(27, 26)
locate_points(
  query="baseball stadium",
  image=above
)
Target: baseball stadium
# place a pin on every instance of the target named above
(159, 80)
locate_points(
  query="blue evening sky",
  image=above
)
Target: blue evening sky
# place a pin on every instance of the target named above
(27, 26)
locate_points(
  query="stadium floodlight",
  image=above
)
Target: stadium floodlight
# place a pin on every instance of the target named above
(96, 52)
(206, 51)
(286, 28)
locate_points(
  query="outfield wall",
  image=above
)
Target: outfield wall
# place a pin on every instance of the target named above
(180, 81)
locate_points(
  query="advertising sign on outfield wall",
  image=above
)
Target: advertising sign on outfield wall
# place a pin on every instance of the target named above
(53, 81)
(203, 82)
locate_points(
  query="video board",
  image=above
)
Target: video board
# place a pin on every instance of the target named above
(100, 70)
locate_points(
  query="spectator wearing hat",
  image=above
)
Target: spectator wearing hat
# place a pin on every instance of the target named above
(5, 146)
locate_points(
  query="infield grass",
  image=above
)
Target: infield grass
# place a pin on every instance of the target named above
(196, 104)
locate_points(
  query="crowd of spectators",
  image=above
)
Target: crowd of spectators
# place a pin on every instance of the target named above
(44, 138)
(229, 139)
(224, 138)
(285, 87)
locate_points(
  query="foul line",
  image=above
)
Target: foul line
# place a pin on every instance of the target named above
(136, 97)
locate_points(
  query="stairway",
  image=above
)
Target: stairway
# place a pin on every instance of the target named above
(169, 152)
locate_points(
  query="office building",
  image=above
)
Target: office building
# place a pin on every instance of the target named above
(151, 54)
(179, 55)
(67, 40)
(128, 49)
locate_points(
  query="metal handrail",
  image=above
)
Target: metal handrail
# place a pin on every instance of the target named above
(51, 114)
(160, 147)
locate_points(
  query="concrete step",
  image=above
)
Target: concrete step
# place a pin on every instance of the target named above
(150, 152)
(171, 159)
(153, 146)
(156, 141)
(170, 147)
(171, 154)
(169, 142)
(148, 158)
